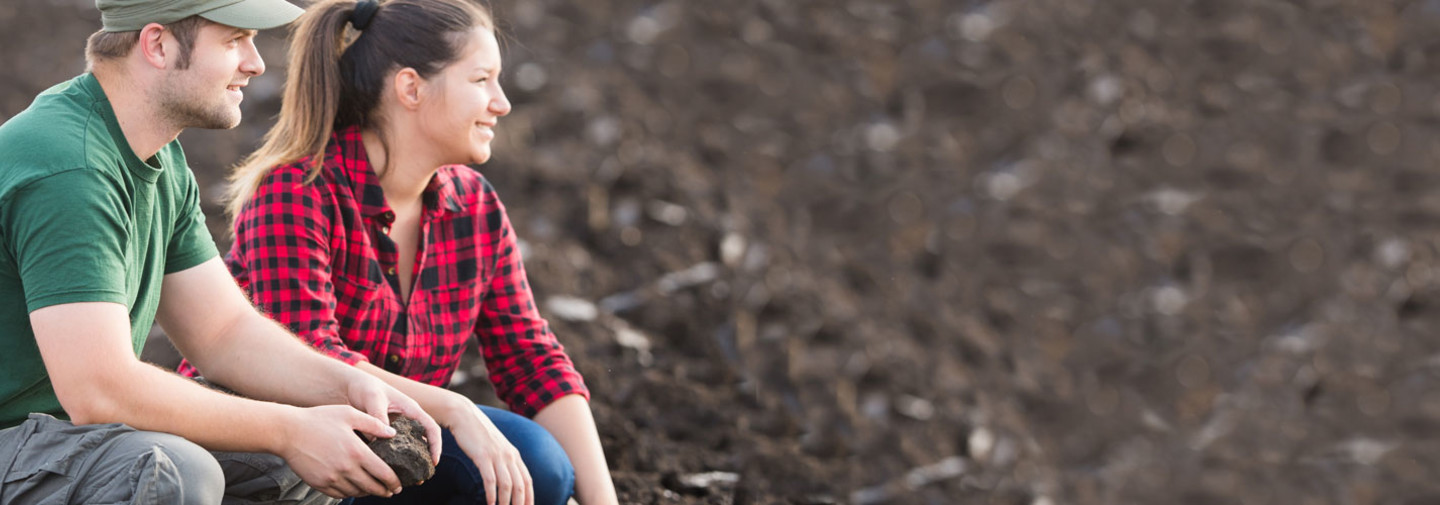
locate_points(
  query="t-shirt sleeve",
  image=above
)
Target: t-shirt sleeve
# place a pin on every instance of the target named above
(191, 243)
(67, 235)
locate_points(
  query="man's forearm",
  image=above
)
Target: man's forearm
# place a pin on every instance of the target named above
(98, 379)
(148, 398)
(214, 325)
(261, 359)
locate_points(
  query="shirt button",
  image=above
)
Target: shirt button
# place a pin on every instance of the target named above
(390, 271)
(394, 359)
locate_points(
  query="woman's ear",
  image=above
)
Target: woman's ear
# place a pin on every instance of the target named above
(409, 88)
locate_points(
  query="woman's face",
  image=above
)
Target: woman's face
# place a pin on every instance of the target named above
(461, 120)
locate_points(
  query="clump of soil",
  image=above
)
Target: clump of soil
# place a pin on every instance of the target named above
(408, 452)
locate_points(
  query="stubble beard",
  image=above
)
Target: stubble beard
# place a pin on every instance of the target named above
(186, 106)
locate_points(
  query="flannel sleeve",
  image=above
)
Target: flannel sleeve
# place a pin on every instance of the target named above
(526, 362)
(282, 242)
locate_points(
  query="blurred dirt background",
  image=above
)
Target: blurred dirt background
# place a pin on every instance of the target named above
(1034, 252)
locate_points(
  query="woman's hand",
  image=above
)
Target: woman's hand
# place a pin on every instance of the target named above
(507, 481)
(375, 397)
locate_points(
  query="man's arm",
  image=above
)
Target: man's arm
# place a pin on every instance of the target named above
(213, 325)
(98, 379)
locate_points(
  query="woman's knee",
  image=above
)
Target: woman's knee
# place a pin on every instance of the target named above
(552, 475)
(550, 470)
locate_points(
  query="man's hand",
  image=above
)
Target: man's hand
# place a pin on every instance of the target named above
(321, 447)
(507, 480)
(378, 399)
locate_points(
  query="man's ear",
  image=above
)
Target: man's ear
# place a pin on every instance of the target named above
(409, 88)
(154, 45)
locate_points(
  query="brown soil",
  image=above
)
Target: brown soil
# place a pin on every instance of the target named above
(952, 251)
(408, 452)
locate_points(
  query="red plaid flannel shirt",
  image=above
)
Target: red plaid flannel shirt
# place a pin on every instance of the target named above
(317, 258)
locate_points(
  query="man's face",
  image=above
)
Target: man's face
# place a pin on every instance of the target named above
(207, 93)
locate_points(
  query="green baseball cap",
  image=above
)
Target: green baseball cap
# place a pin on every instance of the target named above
(130, 15)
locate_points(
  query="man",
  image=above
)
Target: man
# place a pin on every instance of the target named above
(100, 234)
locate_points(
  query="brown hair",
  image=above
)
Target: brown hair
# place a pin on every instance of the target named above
(105, 46)
(332, 85)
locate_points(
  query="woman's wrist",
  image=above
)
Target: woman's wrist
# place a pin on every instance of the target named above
(453, 408)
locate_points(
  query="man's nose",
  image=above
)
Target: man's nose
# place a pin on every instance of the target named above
(252, 64)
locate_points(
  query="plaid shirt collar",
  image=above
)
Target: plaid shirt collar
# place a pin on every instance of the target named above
(347, 151)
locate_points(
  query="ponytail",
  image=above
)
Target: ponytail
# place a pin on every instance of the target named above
(308, 106)
(336, 75)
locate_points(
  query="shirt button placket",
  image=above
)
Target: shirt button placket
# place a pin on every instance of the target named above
(386, 219)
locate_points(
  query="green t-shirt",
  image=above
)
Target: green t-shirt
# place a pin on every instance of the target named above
(82, 219)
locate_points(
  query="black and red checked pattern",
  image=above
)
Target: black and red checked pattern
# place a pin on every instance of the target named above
(317, 258)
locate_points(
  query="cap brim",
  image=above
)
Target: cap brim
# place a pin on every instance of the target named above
(255, 14)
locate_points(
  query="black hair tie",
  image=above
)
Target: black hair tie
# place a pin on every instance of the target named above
(364, 13)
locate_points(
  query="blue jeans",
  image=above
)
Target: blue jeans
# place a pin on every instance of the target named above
(457, 481)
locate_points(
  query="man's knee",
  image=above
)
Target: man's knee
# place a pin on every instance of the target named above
(170, 469)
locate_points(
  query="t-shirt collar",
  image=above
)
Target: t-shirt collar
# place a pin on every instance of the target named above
(139, 167)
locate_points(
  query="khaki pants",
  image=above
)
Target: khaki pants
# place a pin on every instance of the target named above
(46, 461)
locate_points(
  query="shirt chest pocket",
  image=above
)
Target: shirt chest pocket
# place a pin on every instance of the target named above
(453, 286)
(357, 287)
(451, 312)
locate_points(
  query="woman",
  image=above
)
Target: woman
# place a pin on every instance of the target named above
(357, 226)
